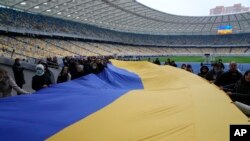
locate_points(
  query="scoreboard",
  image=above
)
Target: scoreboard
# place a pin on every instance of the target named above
(222, 30)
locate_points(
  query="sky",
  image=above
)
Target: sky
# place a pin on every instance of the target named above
(190, 7)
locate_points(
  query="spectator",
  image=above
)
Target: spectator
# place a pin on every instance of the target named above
(100, 65)
(49, 73)
(157, 61)
(40, 80)
(65, 61)
(7, 83)
(243, 85)
(64, 75)
(203, 71)
(173, 63)
(80, 72)
(72, 66)
(184, 66)
(18, 73)
(149, 59)
(55, 62)
(94, 68)
(168, 62)
(214, 73)
(229, 77)
(222, 65)
(87, 66)
(240, 91)
(189, 68)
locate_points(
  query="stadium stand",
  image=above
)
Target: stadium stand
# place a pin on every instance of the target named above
(23, 22)
(35, 47)
(82, 39)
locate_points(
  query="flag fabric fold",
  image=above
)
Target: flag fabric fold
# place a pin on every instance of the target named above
(42, 114)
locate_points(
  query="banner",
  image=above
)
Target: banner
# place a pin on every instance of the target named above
(137, 101)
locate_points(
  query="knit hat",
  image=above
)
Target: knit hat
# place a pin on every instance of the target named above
(39, 70)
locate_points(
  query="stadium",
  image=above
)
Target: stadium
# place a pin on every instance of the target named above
(104, 45)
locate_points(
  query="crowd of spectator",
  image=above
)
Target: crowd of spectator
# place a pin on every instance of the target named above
(52, 62)
(74, 67)
(236, 85)
(217, 74)
(170, 62)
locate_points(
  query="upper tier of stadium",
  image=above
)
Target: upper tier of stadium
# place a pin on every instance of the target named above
(130, 16)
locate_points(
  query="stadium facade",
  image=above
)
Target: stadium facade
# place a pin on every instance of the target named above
(131, 16)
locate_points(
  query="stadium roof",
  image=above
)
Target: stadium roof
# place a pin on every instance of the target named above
(131, 16)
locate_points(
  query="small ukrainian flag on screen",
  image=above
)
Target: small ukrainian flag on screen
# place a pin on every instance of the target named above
(222, 30)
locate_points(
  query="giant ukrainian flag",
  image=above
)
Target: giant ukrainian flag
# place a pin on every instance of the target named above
(138, 101)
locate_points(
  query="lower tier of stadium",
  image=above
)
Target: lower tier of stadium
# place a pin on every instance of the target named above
(31, 48)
